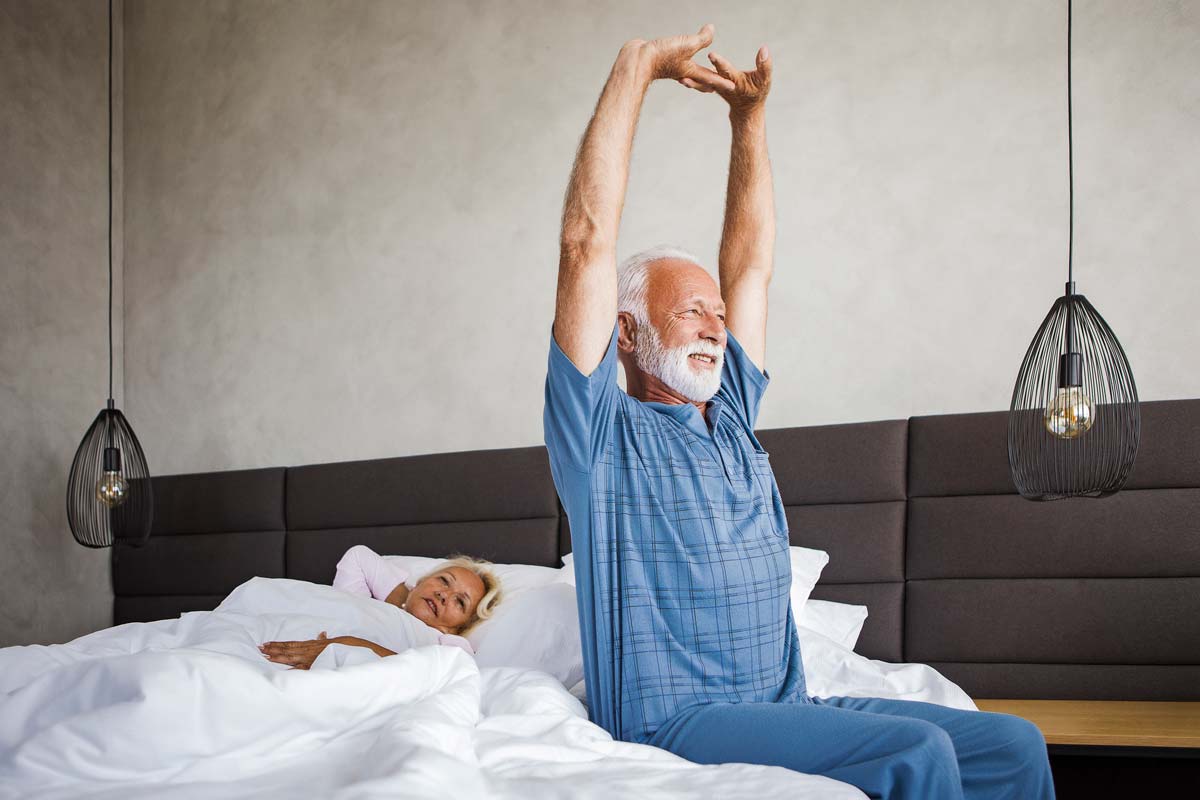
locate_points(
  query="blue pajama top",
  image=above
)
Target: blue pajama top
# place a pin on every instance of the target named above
(680, 542)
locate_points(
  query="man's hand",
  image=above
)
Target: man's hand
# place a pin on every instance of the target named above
(299, 655)
(671, 58)
(744, 91)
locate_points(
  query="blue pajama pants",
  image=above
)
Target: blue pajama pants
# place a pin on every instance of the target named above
(887, 748)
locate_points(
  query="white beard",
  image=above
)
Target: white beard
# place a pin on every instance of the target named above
(672, 366)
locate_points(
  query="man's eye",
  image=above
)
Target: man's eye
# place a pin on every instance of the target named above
(722, 316)
(443, 577)
(461, 604)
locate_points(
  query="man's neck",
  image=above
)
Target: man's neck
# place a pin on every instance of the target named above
(649, 389)
(670, 400)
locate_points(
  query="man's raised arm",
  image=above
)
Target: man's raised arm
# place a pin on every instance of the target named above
(586, 302)
(748, 239)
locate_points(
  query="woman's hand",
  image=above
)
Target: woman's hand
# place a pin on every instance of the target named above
(300, 655)
(745, 91)
(671, 57)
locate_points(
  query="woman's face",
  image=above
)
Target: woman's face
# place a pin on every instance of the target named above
(447, 599)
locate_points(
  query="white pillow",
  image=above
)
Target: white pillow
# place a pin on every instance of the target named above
(536, 629)
(840, 622)
(567, 573)
(806, 570)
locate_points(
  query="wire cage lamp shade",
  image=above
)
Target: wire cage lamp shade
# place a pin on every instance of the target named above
(1074, 424)
(109, 496)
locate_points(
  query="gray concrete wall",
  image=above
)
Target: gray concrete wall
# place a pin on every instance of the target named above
(343, 216)
(53, 317)
(342, 221)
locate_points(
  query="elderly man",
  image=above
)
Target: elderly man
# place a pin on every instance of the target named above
(678, 528)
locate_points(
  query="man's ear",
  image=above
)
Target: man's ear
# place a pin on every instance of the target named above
(626, 332)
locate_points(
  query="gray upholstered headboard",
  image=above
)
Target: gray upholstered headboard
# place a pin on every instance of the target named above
(1076, 598)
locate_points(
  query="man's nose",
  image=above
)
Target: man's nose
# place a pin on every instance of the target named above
(713, 329)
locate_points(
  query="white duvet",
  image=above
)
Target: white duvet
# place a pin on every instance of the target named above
(190, 708)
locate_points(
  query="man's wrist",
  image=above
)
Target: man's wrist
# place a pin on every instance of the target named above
(748, 116)
(635, 59)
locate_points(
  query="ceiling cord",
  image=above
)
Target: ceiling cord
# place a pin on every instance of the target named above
(1070, 159)
(110, 202)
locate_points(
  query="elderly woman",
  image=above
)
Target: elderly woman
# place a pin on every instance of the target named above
(450, 600)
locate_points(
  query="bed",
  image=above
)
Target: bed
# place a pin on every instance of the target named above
(919, 518)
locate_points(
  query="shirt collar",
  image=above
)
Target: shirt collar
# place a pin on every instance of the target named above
(688, 415)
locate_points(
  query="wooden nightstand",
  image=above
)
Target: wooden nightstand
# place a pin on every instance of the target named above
(1103, 748)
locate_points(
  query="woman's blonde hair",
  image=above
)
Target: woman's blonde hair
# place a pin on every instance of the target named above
(492, 591)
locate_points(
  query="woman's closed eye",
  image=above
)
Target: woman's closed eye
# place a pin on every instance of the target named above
(461, 603)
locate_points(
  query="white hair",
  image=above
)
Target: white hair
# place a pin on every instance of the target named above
(671, 366)
(633, 276)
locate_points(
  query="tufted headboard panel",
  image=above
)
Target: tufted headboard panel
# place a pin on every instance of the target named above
(1074, 598)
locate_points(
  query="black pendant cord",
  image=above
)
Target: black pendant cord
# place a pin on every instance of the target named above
(1071, 193)
(110, 203)
(1070, 160)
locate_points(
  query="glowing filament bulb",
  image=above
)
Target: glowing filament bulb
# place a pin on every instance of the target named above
(1069, 414)
(112, 489)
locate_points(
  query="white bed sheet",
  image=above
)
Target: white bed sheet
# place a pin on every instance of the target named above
(189, 708)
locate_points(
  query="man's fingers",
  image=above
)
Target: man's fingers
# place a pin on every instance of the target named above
(763, 63)
(703, 37)
(706, 77)
(724, 68)
(691, 84)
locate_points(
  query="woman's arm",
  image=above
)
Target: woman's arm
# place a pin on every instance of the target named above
(377, 649)
(302, 654)
(364, 572)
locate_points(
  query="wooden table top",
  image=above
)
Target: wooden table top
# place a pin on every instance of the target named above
(1112, 723)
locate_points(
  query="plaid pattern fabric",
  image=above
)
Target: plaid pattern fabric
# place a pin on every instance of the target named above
(681, 546)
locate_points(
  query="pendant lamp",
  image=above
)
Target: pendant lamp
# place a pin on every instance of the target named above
(1074, 424)
(109, 498)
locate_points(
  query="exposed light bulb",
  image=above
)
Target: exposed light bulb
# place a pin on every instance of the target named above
(112, 489)
(1069, 414)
